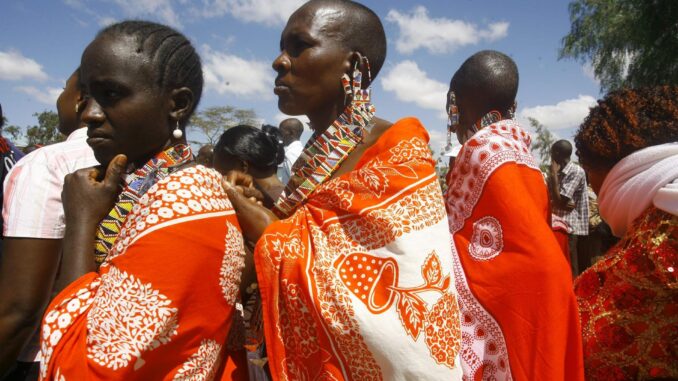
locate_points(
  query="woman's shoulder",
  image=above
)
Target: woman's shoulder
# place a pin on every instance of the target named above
(190, 190)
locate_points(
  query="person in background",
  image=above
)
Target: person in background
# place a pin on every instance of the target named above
(9, 155)
(628, 146)
(519, 313)
(256, 152)
(152, 252)
(253, 151)
(354, 264)
(33, 230)
(569, 199)
(205, 156)
(290, 130)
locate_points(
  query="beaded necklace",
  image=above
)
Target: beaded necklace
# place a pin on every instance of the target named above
(138, 183)
(325, 152)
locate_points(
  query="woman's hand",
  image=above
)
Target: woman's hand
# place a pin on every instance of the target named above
(252, 216)
(88, 201)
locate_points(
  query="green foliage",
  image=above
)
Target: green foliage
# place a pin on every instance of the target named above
(14, 133)
(213, 121)
(46, 131)
(542, 144)
(629, 43)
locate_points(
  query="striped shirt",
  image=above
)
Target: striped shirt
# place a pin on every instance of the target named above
(32, 206)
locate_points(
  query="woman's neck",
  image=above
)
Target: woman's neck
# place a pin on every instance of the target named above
(321, 119)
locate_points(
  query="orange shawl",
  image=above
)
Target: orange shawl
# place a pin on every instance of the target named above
(519, 313)
(356, 284)
(161, 304)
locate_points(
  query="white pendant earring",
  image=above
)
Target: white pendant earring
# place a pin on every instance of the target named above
(177, 133)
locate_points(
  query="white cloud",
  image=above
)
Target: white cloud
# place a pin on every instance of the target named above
(259, 11)
(440, 35)
(106, 21)
(229, 74)
(48, 95)
(14, 66)
(162, 9)
(411, 84)
(564, 114)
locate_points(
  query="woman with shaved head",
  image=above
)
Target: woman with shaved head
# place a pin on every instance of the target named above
(515, 288)
(354, 263)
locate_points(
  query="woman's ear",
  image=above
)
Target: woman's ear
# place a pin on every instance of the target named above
(364, 67)
(181, 103)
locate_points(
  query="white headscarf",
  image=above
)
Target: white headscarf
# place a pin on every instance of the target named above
(645, 177)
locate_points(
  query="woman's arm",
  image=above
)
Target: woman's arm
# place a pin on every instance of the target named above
(86, 203)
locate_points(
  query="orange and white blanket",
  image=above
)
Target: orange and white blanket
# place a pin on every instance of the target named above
(356, 284)
(161, 305)
(519, 314)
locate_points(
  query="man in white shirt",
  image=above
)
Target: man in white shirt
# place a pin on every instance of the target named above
(291, 130)
(34, 226)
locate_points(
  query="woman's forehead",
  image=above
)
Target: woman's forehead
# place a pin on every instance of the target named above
(316, 20)
(115, 56)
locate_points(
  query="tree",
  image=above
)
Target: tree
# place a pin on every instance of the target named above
(543, 143)
(212, 122)
(46, 132)
(629, 43)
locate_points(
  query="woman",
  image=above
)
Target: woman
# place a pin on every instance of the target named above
(253, 151)
(628, 300)
(354, 267)
(170, 250)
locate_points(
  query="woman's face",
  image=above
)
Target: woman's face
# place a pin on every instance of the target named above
(126, 110)
(595, 177)
(311, 62)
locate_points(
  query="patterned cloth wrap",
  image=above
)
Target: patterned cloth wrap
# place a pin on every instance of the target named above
(629, 304)
(519, 313)
(177, 260)
(356, 284)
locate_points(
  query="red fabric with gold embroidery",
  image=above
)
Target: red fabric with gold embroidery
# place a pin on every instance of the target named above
(629, 304)
(161, 304)
(519, 313)
(356, 284)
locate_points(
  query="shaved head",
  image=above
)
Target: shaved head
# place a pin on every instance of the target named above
(291, 130)
(486, 81)
(561, 151)
(359, 29)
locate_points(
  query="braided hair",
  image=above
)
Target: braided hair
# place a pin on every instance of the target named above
(626, 121)
(261, 149)
(175, 61)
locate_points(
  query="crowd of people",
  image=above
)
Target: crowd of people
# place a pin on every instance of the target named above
(125, 256)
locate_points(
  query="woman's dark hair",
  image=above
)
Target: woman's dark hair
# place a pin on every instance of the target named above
(261, 149)
(175, 61)
(626, 121)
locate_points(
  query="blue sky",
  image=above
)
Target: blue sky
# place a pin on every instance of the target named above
(41, 43)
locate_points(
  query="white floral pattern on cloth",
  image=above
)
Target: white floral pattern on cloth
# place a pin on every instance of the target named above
(128, 318)
(330, 293)
(232, 264)
(414, 212)
(500, 143)
(487, 240)
(60, 318)
(483, 343)
(298, 326)
(172, 197)
(202, 365)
